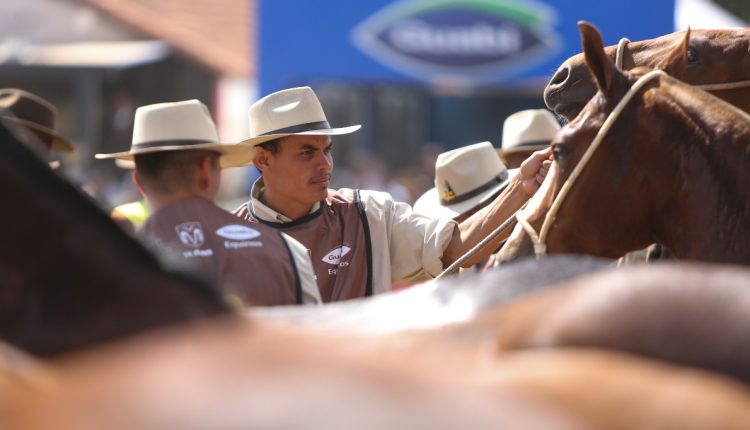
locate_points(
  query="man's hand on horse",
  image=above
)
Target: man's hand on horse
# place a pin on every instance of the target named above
(534, 169)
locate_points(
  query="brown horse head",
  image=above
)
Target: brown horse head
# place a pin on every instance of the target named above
(713, 56)
(669, 170)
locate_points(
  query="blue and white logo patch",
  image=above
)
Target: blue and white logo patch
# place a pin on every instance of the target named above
(237, 232)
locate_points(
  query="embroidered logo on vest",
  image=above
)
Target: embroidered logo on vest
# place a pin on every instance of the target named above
(237, 232)
(190, 234)
(334, 257)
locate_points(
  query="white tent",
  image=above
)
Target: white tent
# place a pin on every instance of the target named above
(703, 14)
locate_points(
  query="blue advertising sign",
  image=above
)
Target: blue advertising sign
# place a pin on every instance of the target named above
(480, 38)
(468, 42)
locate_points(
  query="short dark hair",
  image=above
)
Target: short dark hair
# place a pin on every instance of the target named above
(169, 171)
(271, 146)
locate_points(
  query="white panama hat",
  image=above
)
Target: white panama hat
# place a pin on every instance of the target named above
(529, 130)
(464, 178)
(294, 111)
(180, 126)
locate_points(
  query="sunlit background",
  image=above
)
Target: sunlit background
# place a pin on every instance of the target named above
(421, 76)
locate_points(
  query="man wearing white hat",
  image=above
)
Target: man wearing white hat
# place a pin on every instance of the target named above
(178, 160)
(361, 242)
(526, 132)
(466, 179)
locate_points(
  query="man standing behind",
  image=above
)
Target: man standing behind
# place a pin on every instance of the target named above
(32, 119)
(361, 242)
(526, 132)
(178, 161)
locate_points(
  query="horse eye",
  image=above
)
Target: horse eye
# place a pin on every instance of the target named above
(560, 152)
(692, 55)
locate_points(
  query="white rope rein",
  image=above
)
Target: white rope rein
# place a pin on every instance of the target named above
(470, 253)
(540, 239)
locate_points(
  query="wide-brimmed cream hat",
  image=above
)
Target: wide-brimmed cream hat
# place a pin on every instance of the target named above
(34, 113)
(529, 130)
(464, 178)
(180, 126)
(290, 112)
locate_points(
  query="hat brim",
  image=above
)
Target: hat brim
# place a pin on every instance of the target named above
(429, 203)
(513, 150)
(59, 142)
(232, 155)
(322, 132)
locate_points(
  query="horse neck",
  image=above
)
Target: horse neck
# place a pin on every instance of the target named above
(69, 277)
(739, 97)
(711, 207)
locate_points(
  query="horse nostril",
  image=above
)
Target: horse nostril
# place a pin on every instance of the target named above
(560, 77)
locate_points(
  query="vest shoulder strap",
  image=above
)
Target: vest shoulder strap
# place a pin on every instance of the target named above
(368, 241)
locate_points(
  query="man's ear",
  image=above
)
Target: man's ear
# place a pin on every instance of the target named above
(137, 181)
(261, 158)
(675, 62)
(601, 66)
(204, 173)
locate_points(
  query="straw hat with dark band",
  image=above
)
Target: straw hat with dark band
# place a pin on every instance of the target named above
(295, 111)
(464, 178)
(528, 130)
(180, 126)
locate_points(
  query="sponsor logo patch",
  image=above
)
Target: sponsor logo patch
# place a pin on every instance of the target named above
(237, 232)
(334, 257)
(243, 244)
(190, 234)
(198, 253)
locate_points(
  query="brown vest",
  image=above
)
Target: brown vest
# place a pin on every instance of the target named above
(248, 260)
(337, 237)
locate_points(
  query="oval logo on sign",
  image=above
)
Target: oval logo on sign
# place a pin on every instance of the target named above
(237, 232)
(459, 37)
(334, 257)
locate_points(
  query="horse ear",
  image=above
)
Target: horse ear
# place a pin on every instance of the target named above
(601, 66)
(675, 62)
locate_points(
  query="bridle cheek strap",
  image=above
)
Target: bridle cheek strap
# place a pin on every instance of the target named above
(540, 239)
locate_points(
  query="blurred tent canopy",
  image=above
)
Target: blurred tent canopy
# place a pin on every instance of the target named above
(216, 33)
(707, 14)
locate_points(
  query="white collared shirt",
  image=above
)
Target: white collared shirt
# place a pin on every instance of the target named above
(406, 246)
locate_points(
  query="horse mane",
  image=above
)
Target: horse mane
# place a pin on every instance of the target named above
(69, 276)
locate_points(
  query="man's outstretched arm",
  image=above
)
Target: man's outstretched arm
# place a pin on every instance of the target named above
(478, 226)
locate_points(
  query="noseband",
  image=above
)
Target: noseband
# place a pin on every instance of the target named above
(620, 53)
(540, 239)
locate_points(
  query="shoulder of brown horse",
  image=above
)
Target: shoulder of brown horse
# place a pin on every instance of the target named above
(687, 313)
